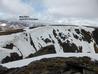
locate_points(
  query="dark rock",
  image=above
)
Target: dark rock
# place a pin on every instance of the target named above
(45, 50)
(62, 36)
(47, 40)
(9, 46)
(54, 33)
(75, 36)
(32, 43)
(13, 57)
(95, 35)
(86, 36)
(77, 31)
(2, 69)
(68, 47)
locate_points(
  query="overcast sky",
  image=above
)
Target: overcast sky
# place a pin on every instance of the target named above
(49, 8)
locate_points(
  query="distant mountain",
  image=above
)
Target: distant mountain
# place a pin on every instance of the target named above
(20, 24)
(12, 25)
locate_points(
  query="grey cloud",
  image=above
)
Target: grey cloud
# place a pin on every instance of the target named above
(72, 8)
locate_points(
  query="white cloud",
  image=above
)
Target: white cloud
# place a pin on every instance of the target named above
(15, 8)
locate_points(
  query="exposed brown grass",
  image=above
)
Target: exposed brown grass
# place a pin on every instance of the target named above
(11, 31)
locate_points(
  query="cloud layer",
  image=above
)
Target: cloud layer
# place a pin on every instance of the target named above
(49, 8)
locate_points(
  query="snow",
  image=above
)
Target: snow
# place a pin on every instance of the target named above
(25, 62)
(22, 44)
(3, 24)
(19, 40)
(24, 47)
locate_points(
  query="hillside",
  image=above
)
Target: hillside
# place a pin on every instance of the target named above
(23, 46)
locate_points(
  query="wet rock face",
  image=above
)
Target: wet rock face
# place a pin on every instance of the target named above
(71, 65)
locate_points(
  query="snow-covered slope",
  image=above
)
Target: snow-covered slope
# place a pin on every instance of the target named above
(47, 40)
(25, 62)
